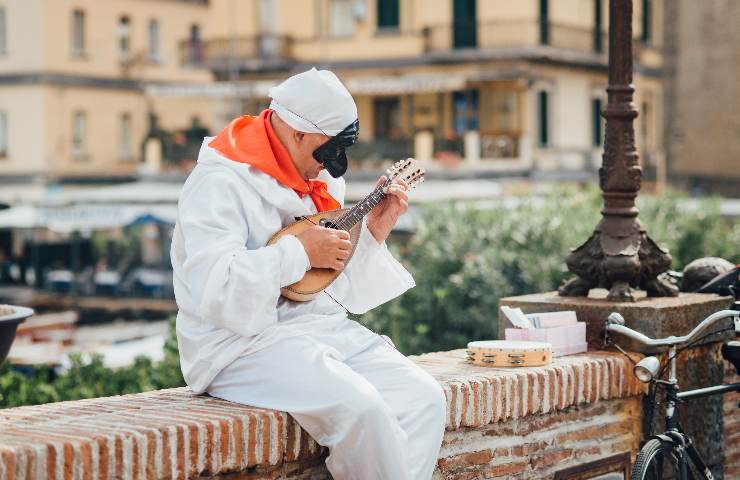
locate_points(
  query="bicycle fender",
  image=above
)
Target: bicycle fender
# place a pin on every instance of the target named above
(666, 439)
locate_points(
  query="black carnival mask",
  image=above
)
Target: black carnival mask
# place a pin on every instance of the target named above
(332, 154)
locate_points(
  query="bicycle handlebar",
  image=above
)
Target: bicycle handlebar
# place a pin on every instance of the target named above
(615, 323)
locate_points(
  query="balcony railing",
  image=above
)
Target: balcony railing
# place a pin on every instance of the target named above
(487, 35)
(226, 53)
(270, 50)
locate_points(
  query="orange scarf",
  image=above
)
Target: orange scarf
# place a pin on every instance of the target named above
(249, 139)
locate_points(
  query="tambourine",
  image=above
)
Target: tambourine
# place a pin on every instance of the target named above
(509, 353)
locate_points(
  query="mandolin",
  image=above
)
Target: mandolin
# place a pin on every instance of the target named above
(349, 219)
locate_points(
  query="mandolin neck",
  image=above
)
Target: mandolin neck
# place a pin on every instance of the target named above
(362, 208)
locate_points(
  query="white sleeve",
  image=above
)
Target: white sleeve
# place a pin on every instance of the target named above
(233, 287)
(372, 276)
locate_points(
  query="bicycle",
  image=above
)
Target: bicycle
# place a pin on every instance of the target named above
(672, 454)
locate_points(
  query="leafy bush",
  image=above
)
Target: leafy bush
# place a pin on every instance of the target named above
(90, 379)
(465, 259)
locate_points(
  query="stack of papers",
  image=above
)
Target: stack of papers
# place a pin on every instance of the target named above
(561, 329)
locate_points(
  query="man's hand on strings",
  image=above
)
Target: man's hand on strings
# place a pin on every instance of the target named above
(383, 217)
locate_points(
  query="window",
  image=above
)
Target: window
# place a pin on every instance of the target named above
(504, 110)
(341, 21)
(3, 33)
(388, 15)
(3, 134)
(464, 24)
(124, 38)
(79, 136)
(597, 123)
(387, 118)
(78, 33)
(646, 14)
(124, 137)
(465, 111)
(544, 22)
(154, 48)
(543, 134)
(195, 46)
(598, 34)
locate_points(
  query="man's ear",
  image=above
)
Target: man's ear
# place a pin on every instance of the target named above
(298, 136)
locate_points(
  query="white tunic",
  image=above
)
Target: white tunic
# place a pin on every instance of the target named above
(227, 282)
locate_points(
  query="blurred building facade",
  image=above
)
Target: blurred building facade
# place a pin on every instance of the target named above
(73, 76)
(109, 89)
(703, 96)
(510, 84)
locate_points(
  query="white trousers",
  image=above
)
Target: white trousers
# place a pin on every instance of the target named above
(380, 415)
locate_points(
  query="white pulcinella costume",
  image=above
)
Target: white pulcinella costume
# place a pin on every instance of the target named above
(380, 415)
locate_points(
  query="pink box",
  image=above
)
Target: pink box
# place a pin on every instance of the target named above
(564, 340)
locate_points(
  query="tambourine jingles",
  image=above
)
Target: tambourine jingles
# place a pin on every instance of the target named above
(509, 353)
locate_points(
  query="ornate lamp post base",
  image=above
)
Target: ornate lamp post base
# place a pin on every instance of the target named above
(619, 263)
(619, 255)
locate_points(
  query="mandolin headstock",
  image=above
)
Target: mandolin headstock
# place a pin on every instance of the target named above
(409, 170)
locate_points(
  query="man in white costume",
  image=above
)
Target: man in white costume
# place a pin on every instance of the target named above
(380, 415)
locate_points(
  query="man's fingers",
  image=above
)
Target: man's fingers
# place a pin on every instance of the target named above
(342, 234)
(337, 265)
(343, 254)
(344, 245)
(381, 181)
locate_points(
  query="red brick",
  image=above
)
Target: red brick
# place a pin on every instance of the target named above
(465, 460)
(551, 458)
(506, 469)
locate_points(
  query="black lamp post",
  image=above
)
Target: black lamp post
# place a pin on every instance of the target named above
(619, 255)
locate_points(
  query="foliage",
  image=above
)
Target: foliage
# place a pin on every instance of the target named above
(464, 259)
(90, 378)
(122, 250)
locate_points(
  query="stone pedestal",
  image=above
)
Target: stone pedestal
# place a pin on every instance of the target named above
(657, 318)
(654, 317)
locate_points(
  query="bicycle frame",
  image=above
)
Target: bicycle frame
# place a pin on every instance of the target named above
(674, 439)
(683, 445)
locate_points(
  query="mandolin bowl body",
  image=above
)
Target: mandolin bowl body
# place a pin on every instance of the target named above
(316, 279)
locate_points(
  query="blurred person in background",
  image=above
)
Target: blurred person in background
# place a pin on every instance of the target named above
(380, 415)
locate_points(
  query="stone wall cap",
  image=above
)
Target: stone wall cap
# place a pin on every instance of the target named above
(176, 433)
(597, 298)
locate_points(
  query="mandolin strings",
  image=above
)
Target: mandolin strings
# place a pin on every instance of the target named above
(358, 211)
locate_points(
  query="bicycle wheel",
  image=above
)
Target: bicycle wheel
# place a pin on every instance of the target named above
(656, 461)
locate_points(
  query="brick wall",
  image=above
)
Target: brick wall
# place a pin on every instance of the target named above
(731, 411)
(540, 445)
(528, 422)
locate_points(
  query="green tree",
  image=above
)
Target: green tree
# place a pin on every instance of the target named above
(464, 259)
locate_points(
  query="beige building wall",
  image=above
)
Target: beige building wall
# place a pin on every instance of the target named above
(24, 107)
(702, 102)
(24, 36)
(500, 23)
(102, 110)
(100, 83)
(102, 57)
(177, 113)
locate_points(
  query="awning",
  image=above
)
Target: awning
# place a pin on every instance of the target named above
(403, 84)
(86, 217)
(375, 85)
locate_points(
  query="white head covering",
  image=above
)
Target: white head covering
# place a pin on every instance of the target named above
(314, 102)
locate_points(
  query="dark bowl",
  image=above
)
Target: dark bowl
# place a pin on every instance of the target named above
(10, 317)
